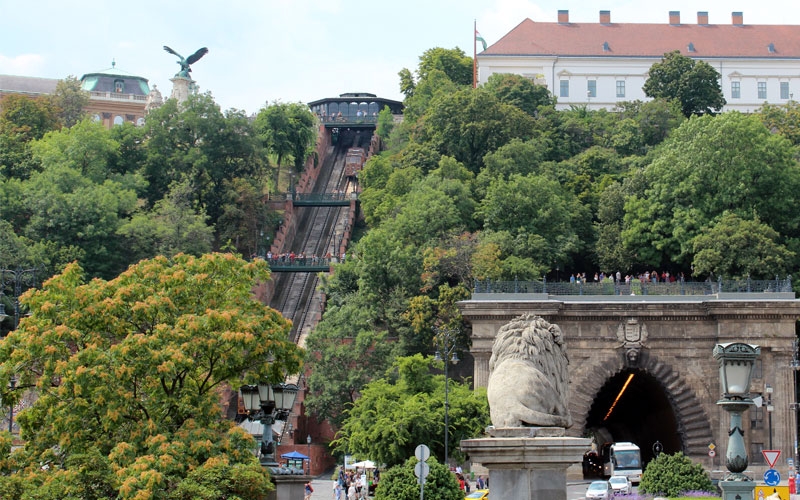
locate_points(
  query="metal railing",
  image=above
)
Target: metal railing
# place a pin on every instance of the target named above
(636, 287)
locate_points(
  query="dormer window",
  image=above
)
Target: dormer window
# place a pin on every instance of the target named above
(771, 48)
(119, 86)
(691, 47)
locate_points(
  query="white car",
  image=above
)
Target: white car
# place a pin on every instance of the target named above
(620, 484)
(599, 490)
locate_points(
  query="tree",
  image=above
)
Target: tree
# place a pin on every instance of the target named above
(71, 100)
(453, 62)
(695, 84)
(520, 92)
(171, 227)
(739, 248)
(470, 123)
(674, 476)
(22, 120)
(396, 413)
(347, 353)
(400, 483)
(129, 374)
(710, 165)
(286, 129)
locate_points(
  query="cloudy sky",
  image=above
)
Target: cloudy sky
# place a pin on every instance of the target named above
(262, 51)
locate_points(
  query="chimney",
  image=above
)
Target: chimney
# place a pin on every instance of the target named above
(675, 17)
(702, 18)
(563, 17)
(605, 17)
(738, 18)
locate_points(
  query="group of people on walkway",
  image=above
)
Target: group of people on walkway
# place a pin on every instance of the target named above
(645, 277)
(354, 485)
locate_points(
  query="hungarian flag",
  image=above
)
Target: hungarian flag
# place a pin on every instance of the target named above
(479, 38)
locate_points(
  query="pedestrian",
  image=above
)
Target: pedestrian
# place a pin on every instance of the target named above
(308, 490)
(351, 491)
(337, 490)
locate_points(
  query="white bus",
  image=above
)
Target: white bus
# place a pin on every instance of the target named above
(622, 459)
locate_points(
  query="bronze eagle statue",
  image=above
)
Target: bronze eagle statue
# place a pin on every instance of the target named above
(185, 63)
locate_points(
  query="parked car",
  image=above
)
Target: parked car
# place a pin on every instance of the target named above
(599, 490)
(621, 485)
(479, 494)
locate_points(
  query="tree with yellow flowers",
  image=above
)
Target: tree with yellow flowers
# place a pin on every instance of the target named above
(127, 376)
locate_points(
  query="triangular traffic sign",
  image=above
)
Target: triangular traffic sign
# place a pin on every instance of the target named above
(771, 456)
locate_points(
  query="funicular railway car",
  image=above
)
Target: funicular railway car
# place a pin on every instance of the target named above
(354, 161)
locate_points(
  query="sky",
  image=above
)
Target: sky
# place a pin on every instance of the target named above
(265, 51)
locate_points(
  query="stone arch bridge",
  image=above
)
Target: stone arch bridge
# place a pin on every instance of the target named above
(641, 366)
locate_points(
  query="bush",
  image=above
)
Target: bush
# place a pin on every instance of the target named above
(400, 483)
(673, 476)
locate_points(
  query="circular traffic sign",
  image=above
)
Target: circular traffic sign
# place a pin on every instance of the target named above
(422, 452)
(421, 470)
(772, 477)
(712, 453)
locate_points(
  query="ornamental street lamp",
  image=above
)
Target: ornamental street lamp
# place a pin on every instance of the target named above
(308, 442)
(445, 343)
(268, 403)
(736, 361)
(15, 279)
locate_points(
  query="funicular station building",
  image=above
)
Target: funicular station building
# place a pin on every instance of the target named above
(641, 364)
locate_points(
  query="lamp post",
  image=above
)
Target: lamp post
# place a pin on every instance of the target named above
(736, 361)
(308, 442)
(16, 278)
(445, 343)
(768, 392)
(268, 403)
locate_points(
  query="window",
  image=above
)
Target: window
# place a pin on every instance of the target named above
(564, 90)
(757, 418)
(762, 90)
(119, 86)
(591, 88)
(784, 90)
(118, 120)
(620, 88)
(736, 90)
(756, 457)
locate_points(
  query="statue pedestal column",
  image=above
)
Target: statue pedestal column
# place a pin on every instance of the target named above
(181, 88)
(527, 463)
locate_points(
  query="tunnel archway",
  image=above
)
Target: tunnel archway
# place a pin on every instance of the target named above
(633, 406)
(660, 406)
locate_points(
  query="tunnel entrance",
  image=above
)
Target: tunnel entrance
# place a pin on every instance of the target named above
(633, 406)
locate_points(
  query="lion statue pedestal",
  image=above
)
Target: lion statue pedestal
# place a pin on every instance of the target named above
(527, 451)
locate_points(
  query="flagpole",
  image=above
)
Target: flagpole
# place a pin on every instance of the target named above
(475, 54)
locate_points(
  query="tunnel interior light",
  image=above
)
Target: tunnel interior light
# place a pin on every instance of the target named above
(616, 400)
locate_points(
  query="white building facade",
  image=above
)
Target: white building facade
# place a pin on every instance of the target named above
(602, 64)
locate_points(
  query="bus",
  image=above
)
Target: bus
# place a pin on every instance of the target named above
(622, 459)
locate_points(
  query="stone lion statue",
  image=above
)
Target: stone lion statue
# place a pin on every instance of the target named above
(528, 376)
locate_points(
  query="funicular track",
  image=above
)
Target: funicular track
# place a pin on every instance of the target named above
(316, 235)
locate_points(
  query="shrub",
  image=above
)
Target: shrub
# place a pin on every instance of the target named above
(673, 476)
(400, 483)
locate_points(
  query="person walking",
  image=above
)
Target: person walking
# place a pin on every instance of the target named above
(308, 490)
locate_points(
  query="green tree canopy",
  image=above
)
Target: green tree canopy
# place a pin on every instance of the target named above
(130, 373)
(71, 100)
(695, 84)
(397, 413)
(520, 92)
(710, 165)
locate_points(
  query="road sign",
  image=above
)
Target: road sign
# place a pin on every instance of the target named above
(422, 452)
(422, 469)
(771, 456)
(765, 491)
(772, 477)
(712, 453)
(711, 446)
